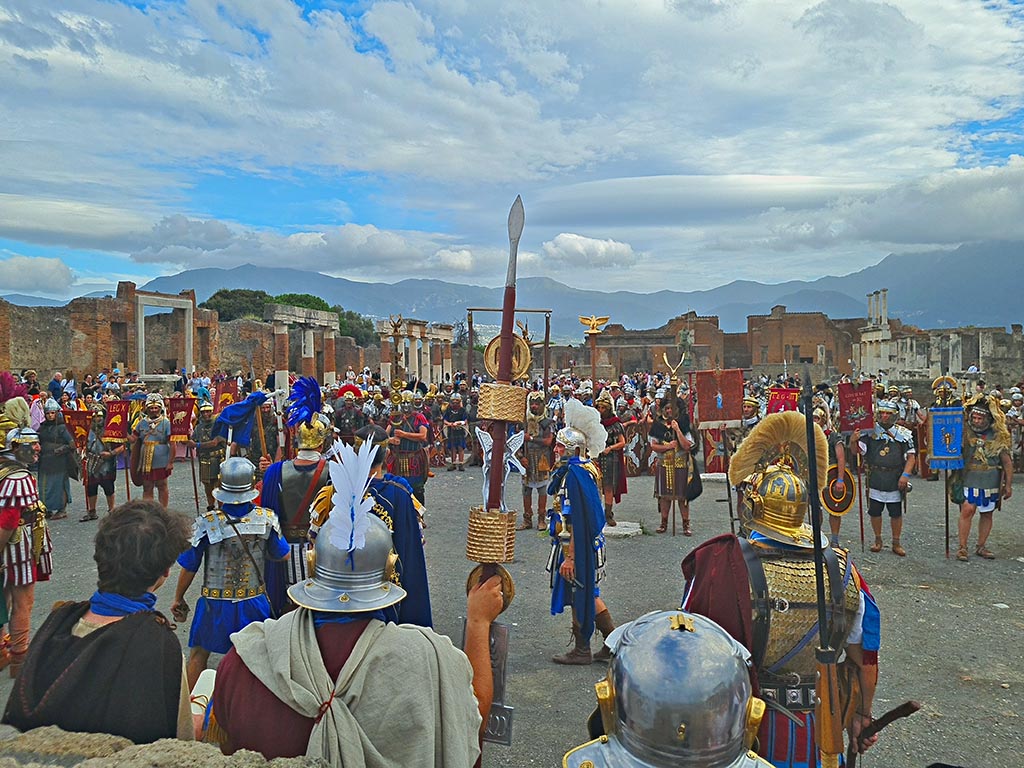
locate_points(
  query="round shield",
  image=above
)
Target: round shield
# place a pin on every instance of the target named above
(838, 501)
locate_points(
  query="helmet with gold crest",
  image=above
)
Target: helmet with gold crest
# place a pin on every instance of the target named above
(770, 470)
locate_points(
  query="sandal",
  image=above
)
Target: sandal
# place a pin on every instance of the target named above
(59, 516)
(877, 546)
(87, 517)
(898, 550)
(661, 528)
(961, 555)
(687, 531)
(983, 551)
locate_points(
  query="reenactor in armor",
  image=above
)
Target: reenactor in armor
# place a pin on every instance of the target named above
(761, 588)
(751, 416)
(232, 544)
(556, 406)
(456, 423)
(889, 454)
(538, 456)
(1015, 424)
(289, 486)
(24, 537)
(348, 416)
(696, 678)
(987, 475)
(576, 524)
(209, 449)
(611, 461)
(671, 441)
(254, 451)
(408, 434)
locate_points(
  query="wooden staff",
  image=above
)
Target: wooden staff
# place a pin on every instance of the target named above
(195, 484)
(860, 498)
(945, 494)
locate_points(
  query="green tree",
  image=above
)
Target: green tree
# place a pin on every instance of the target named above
(359, 327)
(235, 303)
(305, 300)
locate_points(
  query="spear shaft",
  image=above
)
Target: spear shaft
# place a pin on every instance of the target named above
(499, 429)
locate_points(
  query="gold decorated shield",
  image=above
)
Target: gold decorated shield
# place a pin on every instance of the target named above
(838, 501)
(521, 357)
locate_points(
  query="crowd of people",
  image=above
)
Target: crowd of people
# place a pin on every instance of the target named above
(314, 577)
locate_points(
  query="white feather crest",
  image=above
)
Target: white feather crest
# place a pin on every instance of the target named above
(347, 524)
(588, 421)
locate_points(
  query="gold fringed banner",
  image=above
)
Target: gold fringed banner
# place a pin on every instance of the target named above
(179, 411)
(115, 430)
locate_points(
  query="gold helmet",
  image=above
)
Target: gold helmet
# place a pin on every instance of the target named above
(311, 436)
(770, 468)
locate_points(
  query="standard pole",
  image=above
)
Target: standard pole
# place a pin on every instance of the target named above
(945, 494)
(547, 352)
(593, 359)
(469, 347)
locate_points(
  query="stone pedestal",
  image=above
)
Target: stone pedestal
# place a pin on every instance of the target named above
(308, 353)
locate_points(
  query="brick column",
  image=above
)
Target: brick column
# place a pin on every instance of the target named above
(308, 355)
(330, 361)
(281, 356)
(446, 361)
(435, 362)
(413, 368)
(385, 360)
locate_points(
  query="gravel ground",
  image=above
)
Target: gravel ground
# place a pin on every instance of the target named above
(950, 632)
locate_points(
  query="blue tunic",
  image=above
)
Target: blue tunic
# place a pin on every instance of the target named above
(394, 495)
(215, 619)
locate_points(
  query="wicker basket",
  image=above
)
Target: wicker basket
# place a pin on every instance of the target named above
(502, 402)
(491, 537)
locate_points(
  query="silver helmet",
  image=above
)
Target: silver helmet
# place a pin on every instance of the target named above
(678, 693)
(19, 442)
(51, 406)
(237, 483)
(583, 431)
(350, 581)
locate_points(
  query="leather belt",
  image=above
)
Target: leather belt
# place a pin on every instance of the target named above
(796, 698)
(233, 594)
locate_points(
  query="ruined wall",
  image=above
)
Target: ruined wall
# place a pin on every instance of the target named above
(239, 340)
(793, 337)
(40, 338)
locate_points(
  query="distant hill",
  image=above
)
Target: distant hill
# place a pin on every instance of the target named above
(976, 284)
(23, 300)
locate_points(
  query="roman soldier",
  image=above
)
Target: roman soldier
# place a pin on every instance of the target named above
(151, 449)
(24, 536)
(210, 449)
(556, 406)
(263, 452)
(289, 486)
(537, 458)
(392, 502)
(751, 417)
(576, 525)
(890, 455)
(100, 464)
(232, 545)
(348, 416)
(456, 421)
(987, 475)
(408, 433)
(611, 460)
(670, 443)
(761, 588)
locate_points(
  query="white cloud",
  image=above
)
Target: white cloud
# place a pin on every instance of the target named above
(34, 274)
(584, 252)
(700, 132)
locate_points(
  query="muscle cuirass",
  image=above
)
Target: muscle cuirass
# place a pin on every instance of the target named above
(229, 572)
(785, 617)
(982, 465)
(294, 488)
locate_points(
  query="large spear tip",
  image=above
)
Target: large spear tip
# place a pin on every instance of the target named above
(516, 220)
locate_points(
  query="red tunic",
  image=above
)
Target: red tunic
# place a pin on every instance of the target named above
(254, 718)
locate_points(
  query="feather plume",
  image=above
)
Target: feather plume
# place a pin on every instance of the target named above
(347, 524)
(305, 401)
(16, 409)
(990, 404)
(588, 421)
(776, 435)
(9, 388)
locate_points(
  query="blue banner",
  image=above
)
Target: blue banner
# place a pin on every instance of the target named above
(946, 430)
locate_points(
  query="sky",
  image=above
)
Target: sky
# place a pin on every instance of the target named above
(656, 143)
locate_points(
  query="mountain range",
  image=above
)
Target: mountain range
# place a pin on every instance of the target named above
(975, 284)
